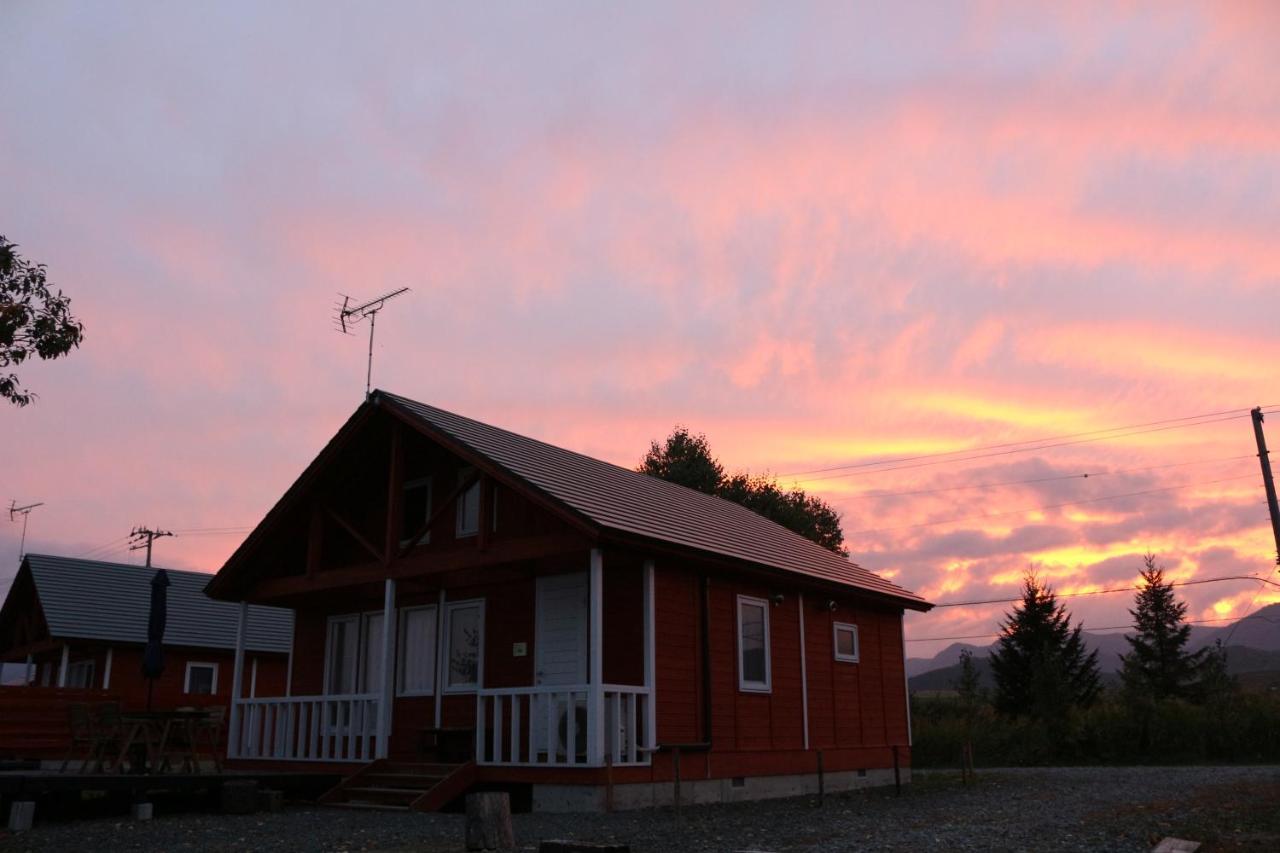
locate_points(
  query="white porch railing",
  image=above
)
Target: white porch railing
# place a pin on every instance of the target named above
(307, 728)
(548, 726)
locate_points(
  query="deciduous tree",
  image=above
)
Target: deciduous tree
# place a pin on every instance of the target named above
(33, 320)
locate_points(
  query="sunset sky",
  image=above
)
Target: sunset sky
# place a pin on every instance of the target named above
(823, 236)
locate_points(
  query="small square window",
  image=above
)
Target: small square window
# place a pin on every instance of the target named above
(202, 679)
(846, 640)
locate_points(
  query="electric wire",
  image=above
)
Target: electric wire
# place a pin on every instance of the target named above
(1046, 506)
(1105, 628)
(1027, 446)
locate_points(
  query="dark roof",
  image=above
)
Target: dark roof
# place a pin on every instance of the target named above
(93, 600)
(623, 500)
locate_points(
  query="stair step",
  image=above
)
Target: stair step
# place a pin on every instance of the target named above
(378, 791)
(356, 804)
(400, 780)
(428, 769)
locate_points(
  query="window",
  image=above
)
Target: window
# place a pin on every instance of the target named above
(464, 645)
(80, 674)
(753, 644)
(202, 679)
(415, 509)
(353, 654)
(468, 505)
(417, 675)
(846, 640)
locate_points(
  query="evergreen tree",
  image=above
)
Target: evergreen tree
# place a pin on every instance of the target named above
(1158, 666)
(686, 459)
(1040, 665)
(1216, 683)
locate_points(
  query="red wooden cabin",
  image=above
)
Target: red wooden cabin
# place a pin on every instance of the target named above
(574, 620)
(82, 625)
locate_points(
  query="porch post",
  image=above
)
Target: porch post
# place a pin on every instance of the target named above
(595, 698)
(650, 682)
(804, 674)
(106, 669)
(62, 667)
(440, 671)
(386, 693)
(288, 667)
(27, 671)
(237, 680)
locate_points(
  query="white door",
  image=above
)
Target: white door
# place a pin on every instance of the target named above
(560, 651)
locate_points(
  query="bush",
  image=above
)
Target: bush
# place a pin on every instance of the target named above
(1242, 727)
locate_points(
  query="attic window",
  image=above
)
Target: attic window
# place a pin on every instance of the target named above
(468, 505)
(415, 510)
(846, 641)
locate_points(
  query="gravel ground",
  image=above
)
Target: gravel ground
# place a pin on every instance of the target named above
(1047, 809)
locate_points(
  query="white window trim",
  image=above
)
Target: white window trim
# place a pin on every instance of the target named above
(836, 628)
(458, 532)
(412, 484)
(401, 625)
(192, 664)
(755, 686)
(449, 607)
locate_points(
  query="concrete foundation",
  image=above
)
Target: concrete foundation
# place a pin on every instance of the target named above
(591, 798)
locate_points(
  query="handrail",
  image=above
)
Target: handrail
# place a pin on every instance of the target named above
(536, 689)
(319, 697)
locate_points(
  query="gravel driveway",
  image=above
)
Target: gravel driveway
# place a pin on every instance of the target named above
(1049, 809)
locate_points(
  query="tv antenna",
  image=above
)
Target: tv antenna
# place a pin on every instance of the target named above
(350, 315)
(142, 537)
(24, 511)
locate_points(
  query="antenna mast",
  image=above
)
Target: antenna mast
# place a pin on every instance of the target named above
(24, 511)
(350, 315)
(140, 534)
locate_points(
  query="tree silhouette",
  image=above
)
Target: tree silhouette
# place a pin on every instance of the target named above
(686, 459)
(1040, 665)
(33, 320)
(1158, 666)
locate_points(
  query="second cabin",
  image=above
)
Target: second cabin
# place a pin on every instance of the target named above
(524, 616)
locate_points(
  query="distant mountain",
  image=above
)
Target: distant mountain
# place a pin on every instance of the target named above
(1259, 632)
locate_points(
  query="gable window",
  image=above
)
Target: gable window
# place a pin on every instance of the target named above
(468, 505)
(415, 509)
(201, 679)
(846, 640)
(753, 644)
(464, 645)
(417, 672)
(80, 674)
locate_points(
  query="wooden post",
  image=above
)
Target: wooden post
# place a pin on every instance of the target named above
(386, 692)
(30, 675)
(62, 667)
(650, 657)
(897, 775)
(489, 822)
(822, 780)
(595, 699)
(237, 681)
(288, 667)
(675, 758)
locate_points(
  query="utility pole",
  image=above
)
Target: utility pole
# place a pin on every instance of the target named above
(24, 511)
(140, 534)
(1270, 485)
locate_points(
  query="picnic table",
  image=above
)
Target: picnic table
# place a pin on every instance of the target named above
(159, 736)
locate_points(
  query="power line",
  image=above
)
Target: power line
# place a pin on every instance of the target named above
(1049, 442)
(1081, 476)
(1192, 582)
(1046, 506)
(1106, 628)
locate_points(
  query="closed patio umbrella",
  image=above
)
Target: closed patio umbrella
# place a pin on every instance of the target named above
(153, 655)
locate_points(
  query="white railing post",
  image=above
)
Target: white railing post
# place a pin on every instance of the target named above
(237, 679)
(106, 669)
(62, 667)
(386, 696)
(650, 657)
(595, 699)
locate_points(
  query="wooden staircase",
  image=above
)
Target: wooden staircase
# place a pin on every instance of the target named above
(402, 786)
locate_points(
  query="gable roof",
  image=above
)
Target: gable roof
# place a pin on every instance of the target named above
(93, 600)
(616, 498)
